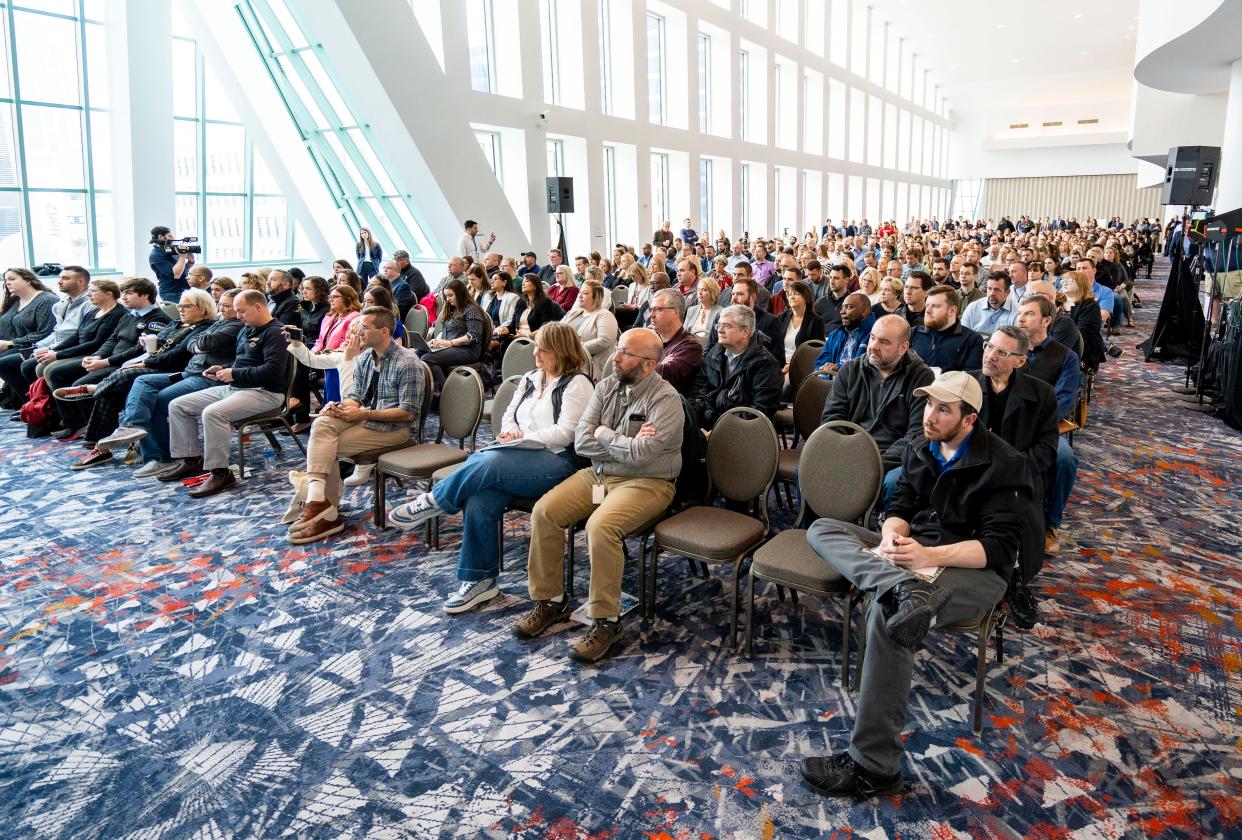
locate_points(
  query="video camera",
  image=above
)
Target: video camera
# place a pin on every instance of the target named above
(185, 245)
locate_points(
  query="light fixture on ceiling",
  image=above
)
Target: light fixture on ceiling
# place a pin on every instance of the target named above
(1077, 16)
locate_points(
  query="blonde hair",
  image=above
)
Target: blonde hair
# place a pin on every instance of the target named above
(712, 288)
(202, 301)
(564, 272)
(892, 283)
(251, 280)
(1080, 281)
(562, 341)
(870, 275)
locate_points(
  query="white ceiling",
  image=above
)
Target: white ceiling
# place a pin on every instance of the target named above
(971, 46)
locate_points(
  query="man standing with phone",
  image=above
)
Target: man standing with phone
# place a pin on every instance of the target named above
(472, 244)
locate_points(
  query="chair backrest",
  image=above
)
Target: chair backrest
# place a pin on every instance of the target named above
(802, 362)
(620, 295)
(429, 384)
(461, 404)
(808, 407)
(519, 357)
(171, 310)
(417, 319)
(500, 402)
(840, 471)
(607, 369)
(742, 479)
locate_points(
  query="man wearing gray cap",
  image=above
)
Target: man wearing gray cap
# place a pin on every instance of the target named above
(946, 551)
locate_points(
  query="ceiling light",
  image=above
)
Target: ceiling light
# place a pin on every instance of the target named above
(1000, 26)
(1077, 16)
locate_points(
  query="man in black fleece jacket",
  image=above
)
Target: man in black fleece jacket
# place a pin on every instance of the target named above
(255, 382)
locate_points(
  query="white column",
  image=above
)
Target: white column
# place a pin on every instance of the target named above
(139, 46)
(1229, 182)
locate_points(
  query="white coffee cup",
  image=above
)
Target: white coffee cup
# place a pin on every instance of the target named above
(150, 342)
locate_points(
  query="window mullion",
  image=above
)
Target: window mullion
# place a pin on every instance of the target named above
(19, 131)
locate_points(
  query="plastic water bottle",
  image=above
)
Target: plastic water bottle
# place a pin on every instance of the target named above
(269, 460)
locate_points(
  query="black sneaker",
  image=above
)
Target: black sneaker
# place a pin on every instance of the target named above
(1023, 606)
(1114, 351)
(914, 608)
(841, 775)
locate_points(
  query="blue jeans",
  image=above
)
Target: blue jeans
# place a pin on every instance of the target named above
(890, 486)
(1060, 482)
(483, 488)
(146, 407)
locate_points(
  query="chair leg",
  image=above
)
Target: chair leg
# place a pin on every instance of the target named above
(981, 671)
(569, 562)
(379, 509)
(793, 593)
(750, 616)
(241, 454)
(848, 608)
(651, 594)
(642, 576)
(271, 438)
(1000, 639)
(500, 540)
(737, 572)
(296, 438)
(780, 593)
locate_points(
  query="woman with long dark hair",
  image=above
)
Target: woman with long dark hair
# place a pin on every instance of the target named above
(458, 335)
(369, 254)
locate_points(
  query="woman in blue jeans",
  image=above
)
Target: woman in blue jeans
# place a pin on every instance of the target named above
(532, 454)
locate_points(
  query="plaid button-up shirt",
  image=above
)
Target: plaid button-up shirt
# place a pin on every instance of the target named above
(398, 384)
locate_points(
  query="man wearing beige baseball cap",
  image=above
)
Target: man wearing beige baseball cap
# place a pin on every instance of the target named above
(947, 548)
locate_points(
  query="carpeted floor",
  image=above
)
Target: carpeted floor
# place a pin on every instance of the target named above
(174, 669)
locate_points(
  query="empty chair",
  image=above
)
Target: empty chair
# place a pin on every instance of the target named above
(519, 358)
(717, 535)
(494, 409)
(808, 409)
(461, 407)
(417, 320)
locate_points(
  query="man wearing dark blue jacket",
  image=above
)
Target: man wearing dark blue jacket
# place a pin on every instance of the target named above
(255, 382)
(942, 342)
(850, 340)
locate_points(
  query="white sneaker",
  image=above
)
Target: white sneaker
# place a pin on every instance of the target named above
(415, 513)
(360, 476)
(123, 436)
(471, 594)
(150, 468)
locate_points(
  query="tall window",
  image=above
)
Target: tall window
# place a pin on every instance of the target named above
(610, 196)
(655, 69)
(340, 144)
(744, 183)
(705, 90)
(743, 92)
(489, 142)
(705, 196)
(659, 189)
(605, 56)
(556, 158)
(225, 193)
(55, 156)
(551, 51)
(481, 37)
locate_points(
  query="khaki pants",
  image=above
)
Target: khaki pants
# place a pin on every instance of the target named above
(332, 438)
(628, 503)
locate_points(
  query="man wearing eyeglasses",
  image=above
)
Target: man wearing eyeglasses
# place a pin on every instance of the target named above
(737, 371)
(682, 355)
(1022, 410)
(631, 432)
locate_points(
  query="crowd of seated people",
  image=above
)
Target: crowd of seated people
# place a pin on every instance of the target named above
(960, 348)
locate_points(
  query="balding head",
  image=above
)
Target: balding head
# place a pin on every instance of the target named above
(1043, 289)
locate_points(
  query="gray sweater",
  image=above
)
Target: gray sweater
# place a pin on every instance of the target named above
(606, 434)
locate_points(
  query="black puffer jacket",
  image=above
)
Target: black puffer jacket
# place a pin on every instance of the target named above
(986, 496)
(755, 382)
(216, 345)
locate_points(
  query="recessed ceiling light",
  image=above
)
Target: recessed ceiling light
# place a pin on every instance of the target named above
(1084, 52)
(1015, 60)
(1000, 26)
(1077, 16)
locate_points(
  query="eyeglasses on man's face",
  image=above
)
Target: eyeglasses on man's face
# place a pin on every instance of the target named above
(626, 354)
(989, 347)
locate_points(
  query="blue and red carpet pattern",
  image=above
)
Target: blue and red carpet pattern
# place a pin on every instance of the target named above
(172, 668)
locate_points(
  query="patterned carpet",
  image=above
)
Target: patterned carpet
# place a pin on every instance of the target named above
(175, 669)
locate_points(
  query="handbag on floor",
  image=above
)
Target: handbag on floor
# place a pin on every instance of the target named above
(39, 410)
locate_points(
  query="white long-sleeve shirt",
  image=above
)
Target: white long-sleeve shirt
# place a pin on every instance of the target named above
(533, 415)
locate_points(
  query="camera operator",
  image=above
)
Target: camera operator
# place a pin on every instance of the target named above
(170, 262)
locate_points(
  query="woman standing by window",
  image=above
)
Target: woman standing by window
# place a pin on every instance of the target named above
(369, 254)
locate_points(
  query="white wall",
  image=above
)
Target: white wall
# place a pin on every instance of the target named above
(975, 154)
